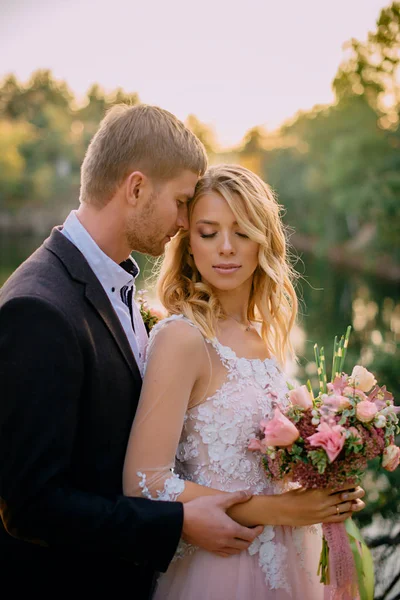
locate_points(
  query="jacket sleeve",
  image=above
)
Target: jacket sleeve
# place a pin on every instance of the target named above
(41, 375)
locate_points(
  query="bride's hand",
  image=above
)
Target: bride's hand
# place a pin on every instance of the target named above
(307, 507)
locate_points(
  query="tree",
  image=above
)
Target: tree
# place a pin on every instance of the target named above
(372, 67)
(203, 132)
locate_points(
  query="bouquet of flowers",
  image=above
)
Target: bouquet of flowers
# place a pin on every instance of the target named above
(326, 440)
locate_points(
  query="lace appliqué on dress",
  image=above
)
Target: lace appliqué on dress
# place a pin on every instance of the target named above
(173, 487)
(272, 559)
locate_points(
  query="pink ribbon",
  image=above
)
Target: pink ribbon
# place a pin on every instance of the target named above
(342, 571)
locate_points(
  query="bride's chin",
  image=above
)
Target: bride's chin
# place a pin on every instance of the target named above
(224, 286)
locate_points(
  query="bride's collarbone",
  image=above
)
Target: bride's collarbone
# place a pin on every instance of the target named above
(245, 344)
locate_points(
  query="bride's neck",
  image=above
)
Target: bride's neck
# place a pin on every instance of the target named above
(235, 302)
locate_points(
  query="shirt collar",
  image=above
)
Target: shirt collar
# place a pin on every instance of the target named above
(110, 274)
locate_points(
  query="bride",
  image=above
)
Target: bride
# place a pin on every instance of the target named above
(214, 369)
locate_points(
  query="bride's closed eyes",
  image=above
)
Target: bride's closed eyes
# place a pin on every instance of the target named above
(211, 235)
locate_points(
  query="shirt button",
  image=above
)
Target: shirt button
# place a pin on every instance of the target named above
(140, 355)
(113, 289)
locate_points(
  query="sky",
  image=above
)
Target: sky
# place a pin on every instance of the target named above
(233, 64)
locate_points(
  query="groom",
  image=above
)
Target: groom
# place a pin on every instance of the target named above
(72, 347)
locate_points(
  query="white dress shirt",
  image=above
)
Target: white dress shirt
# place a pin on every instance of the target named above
(113, 278)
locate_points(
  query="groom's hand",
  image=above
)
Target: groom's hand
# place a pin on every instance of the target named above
(207, 525)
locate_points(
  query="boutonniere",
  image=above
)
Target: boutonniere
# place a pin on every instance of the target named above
(150, 315)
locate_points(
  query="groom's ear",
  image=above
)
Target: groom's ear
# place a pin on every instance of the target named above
(136, 187)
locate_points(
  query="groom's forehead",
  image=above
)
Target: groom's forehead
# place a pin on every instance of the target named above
(185, 184)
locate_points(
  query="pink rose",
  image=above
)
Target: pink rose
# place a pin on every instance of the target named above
(301, 397)
(391, 457)
(331, 439)
(366, 411)
(279, 431)
(338, 385)
(254, 445)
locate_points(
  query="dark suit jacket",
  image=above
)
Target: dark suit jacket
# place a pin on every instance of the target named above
(69, 388)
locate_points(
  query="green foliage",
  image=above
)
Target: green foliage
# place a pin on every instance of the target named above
(43, 137)
(203, 132)
(319, 459)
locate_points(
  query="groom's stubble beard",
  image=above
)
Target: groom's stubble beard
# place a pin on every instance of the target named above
(143, 232)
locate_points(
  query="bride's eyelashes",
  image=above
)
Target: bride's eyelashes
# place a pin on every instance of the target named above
(211, 235)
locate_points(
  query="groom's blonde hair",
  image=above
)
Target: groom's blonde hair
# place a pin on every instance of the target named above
(138, 138)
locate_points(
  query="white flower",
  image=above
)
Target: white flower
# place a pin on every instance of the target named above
(259, 367)
(262, 380)
(261, 375)
(216, 450)
(226, 352)
(209, 433)
(230, 464)
(244, 466)
(244, 367)
(222, 416)
(363, 379)
(230, 460)
(380, 421)
(228, 433)
(205, 413)
(254, 546)
(268, 534)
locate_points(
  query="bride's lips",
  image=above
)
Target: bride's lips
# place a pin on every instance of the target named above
(226, 269)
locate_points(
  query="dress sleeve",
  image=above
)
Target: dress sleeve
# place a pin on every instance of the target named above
(175, 357)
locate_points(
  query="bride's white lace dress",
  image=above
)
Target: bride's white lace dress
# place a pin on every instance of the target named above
(281, 564)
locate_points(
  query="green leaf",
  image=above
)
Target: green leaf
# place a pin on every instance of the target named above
(363, 561)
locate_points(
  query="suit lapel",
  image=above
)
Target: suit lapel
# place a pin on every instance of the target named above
(80, 271)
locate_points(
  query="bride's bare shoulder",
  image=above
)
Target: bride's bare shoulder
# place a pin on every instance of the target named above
(177, 335)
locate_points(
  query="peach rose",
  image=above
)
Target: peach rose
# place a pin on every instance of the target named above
(337, 402)
(331, 439)
(279, 431)
(363, 379)
(366, 411)
(391, 457)
(301, 397)
(354, 393)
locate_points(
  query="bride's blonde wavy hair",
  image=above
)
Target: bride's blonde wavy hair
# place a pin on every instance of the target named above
(273, 301)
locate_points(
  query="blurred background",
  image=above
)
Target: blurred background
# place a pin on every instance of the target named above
(305, 94)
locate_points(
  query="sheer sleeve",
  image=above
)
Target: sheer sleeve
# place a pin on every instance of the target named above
(175, 358)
